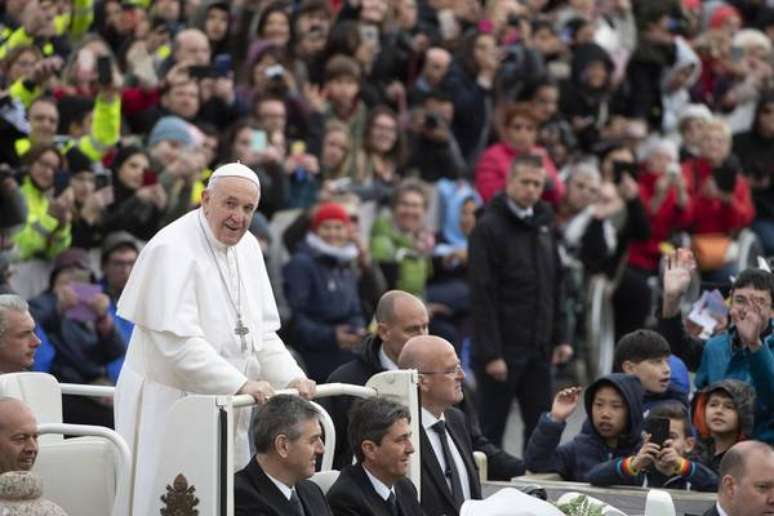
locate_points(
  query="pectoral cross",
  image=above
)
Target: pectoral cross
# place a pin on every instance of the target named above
(241, 330)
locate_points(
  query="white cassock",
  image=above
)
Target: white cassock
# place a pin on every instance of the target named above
(184, 339)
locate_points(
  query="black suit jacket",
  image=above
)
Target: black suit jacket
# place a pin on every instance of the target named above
(436, 496)
(353, 494)
(502, 465)
(256, 495)
(712, 512)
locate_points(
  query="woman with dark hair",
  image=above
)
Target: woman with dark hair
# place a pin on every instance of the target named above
(555, 133)
(216, 24)
(469, 82)
(137, 207)
(378, 163)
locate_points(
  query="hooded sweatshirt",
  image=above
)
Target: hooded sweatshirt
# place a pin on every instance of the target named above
(743, 396)
(575, 459)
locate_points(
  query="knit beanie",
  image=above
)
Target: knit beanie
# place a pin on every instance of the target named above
(329, 211)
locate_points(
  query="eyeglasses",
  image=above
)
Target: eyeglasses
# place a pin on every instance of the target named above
(451, 372)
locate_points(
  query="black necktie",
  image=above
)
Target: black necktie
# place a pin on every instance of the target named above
(295, 501)
(393, 503)
(451, 473)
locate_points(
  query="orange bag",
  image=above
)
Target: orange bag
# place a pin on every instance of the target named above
(710, 250)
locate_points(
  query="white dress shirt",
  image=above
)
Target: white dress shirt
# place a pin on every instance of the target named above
(520, 212)
(286, 490)
(381, 488)
(721, 512)
(428, 420)
(385, 361)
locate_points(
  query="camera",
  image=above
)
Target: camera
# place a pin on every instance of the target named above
(514, 20)
(275, 73)
(725, 174)
(433, 121)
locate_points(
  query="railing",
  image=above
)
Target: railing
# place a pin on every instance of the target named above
(92, 391)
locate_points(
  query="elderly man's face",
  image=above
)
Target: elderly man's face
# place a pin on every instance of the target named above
(301, 454)
(229, 205)
(18, 343)
(194, 48)
(18, 437)
(753, 493)
(44, 117)
(441, 382)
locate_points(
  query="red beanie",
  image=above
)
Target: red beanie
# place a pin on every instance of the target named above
(721, 14)
(329, 211)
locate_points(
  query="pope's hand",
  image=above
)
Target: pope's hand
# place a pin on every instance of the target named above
(261, 391)
(306, 388)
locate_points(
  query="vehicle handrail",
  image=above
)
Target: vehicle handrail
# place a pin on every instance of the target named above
(125, 456)
(92, 391)
(323, 391)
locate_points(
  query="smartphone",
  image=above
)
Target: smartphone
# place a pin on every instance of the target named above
(258, 141)
(623, 167)
(221, 65)
(201, 72)
(104, 71)
(149, 178)
(61, 182)
(102, 180)
(658, 428)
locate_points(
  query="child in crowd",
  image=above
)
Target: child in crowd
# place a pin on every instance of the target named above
(723, 416)
(614, 407)
(666, 465)
(645, 354)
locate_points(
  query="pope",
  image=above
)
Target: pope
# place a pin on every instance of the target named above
(205, 322)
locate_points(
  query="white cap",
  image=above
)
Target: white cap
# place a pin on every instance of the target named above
(236, 170)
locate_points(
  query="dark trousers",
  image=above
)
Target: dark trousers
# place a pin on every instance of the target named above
(529, 381)
(81, 410)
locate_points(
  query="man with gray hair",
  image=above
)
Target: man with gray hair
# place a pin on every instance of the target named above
(380, 435)
(746, 481)
(18, 341)
(288, 441)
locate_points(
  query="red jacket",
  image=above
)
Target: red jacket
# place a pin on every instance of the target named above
(494, 164)
(669, 218)
(714, 215)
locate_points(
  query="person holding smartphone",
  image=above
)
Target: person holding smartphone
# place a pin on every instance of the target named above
(663, 460)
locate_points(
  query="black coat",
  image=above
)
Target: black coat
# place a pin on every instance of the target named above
(515, 283)
(436, 497)
(256, 495)
(713, 511)
(501, 464)
(353, 495)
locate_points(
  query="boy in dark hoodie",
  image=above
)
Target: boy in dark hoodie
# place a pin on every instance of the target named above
(645, 354)
(665, 466)
(614, 407)
(723, 416)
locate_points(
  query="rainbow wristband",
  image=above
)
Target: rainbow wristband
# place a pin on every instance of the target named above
(629, 468)
(684, 468)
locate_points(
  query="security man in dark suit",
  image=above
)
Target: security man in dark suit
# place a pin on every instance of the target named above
(449, 472)
(746, 485)
(288, 440)
(380, 434)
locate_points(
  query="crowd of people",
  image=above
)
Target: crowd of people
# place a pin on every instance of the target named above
(448, 168)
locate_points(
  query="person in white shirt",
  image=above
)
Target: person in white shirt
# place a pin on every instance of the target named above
(205, 322)
(380, 433)
(746, 486)
(449, 475)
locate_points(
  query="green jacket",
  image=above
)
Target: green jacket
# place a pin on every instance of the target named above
(392, 248)
(41, 236)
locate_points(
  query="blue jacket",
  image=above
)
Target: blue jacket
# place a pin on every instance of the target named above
(723, 359)
(322, 292)
(575, 459)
